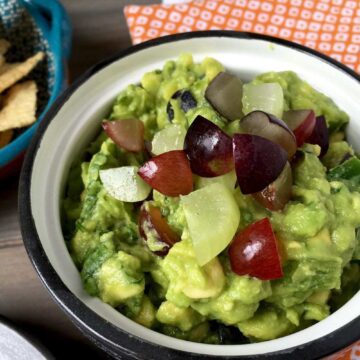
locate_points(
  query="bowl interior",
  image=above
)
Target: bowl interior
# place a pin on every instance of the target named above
(77, 121)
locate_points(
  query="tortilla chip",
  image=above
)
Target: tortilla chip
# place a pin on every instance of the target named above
(17, 71)
(19, 106)
(5, 67)
(4, 46)
(5, 137)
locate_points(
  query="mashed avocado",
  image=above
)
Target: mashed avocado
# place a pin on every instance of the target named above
(172, 293)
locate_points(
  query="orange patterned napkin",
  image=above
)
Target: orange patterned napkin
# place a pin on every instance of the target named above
(350, 353)
(329, 26)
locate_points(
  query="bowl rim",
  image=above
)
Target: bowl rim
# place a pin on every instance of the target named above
(107, 335)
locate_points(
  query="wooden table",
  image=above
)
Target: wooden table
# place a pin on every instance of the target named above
(99, 29)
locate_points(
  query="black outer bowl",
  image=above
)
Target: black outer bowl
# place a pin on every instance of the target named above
(115, 341)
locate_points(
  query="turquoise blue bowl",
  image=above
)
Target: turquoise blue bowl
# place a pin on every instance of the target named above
(31, 26)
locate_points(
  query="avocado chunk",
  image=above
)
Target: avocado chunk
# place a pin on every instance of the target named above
(268, 323)
(304, 277)
(120, 278)
(205, 281)
(183, 318)
(238, 301)
(94, 261)
(337, 153)
(316, 312)
(147, 313)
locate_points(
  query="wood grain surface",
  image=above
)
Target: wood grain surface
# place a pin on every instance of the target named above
(99, 30)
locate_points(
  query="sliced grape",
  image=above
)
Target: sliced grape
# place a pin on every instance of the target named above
(224, 93)
(168, 173)
(212, 216)
(320, 135)
(301, 122)
(168, 139)
(276, 195)
(187, 102)
(266, 97)
(208, 148)
(153, 224)
(229, 180)
(254, 252)
(258, 162)
(271, 128)
(123, 183)
(127, 133)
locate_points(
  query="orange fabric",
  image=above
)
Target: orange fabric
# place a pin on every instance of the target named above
(350, 353)
(329, 26)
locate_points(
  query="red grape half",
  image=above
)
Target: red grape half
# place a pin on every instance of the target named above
(320, 135)
(127, 133)
(276, 195)
(254, 251)
(224, 93)
(151, 220)
(258, 162)
(301, 122)
(208, 148)
(168, 173)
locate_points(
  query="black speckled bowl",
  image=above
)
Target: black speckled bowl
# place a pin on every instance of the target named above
(71, 124)
(31, 26)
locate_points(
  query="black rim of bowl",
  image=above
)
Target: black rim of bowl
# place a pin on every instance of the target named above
(106, 335)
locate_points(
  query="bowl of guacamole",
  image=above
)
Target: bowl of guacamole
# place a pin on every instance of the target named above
(186, 201)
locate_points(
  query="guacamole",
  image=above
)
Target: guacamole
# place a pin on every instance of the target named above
(173, 287)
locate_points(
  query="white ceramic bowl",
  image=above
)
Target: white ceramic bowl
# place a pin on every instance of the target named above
(73, 122)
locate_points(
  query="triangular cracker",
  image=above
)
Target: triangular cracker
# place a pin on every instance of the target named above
(18, 71)
(19, 106)
(4, 46)
(5, 67)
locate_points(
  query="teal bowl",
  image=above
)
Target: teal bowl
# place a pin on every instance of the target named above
(32, 26)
